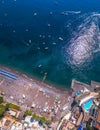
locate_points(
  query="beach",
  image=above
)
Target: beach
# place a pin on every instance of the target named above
(35, 95)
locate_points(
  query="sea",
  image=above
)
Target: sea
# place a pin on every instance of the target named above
(53, 40)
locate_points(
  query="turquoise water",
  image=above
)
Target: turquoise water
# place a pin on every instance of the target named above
(88, 105)
(60, 38)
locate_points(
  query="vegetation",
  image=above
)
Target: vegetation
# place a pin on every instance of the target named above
(10, 105)
(41, 118)
(1, 100)
(2, 110)
(27, 113)
(89, 127)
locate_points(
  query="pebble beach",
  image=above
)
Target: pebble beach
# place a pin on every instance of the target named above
(33, 94)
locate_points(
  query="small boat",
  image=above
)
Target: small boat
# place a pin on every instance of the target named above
(35, 14)
(64, 13)
(54, 43)
(43, 43)
(46, 48)
(26, 30)
(39, 65)
(51, 13)
(30, 41)
(14, 31)
(49, 25)
(43, 36)
(49, 36)
(60, 38)
(40, 35)
(38, 48)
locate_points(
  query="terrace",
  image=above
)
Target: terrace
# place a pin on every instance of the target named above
(78, 86)
(13, 112)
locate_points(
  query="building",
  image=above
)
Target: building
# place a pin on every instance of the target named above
(13, 112)
(30, 123)
(16, 126)
(6, 122)
(97, 124)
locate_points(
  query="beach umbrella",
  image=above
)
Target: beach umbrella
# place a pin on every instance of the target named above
(29, 85)
(23, 95)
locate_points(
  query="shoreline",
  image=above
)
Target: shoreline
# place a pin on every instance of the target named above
(35, 79)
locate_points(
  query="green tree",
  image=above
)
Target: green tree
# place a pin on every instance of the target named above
(48, 121)
(10, 105)
(27, 113)
(1, 100)
(43, 119)
(36, 117)
(2, 110)
(89, 127)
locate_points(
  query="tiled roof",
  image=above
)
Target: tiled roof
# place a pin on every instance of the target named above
(97, 126)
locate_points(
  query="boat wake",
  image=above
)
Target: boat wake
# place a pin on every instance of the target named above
(73, 12)
(84, 42)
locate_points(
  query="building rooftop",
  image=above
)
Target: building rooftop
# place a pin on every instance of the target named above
(79, 119)
(86, 117)
(6, 122)
(68, 126)
(29, 123)
(97, 126)
(16, 126)
(98, 118)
